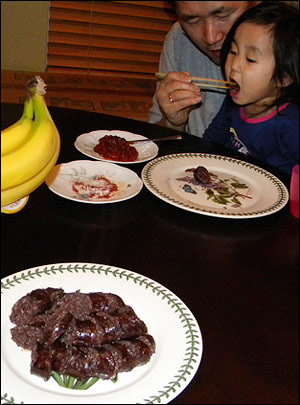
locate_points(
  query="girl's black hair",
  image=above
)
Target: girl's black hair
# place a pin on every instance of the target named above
(284, 25)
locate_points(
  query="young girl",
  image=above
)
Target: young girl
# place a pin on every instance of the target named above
(261, 116)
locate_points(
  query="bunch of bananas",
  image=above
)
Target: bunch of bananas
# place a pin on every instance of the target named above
(29, 148)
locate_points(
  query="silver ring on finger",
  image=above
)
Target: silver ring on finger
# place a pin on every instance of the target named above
(170, 98)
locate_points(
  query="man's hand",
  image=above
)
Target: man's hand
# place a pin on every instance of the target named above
(176, 96)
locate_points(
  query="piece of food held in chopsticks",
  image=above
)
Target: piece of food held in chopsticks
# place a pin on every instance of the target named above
(78, 338)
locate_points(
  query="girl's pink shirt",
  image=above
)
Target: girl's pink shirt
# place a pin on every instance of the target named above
(261, 119)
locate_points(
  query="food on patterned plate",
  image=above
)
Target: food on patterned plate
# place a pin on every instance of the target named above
(80, 335)
(202, 174)
(225, 191)
(114, 147)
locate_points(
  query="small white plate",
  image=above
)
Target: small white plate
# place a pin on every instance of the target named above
(85, 143)
(263, 193)
(173, 326)
(63, 180)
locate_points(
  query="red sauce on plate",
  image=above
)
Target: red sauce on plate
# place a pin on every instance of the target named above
(99, 188)
(114, 147)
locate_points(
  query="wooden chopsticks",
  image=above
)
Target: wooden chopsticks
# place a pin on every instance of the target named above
(200, 81)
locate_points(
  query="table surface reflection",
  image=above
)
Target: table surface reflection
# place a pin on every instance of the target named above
(238, 277)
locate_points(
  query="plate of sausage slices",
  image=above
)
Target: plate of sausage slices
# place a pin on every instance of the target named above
(96, 334)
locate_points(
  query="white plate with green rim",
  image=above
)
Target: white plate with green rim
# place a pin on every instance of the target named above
(237, 189)
(172, 325)
(85, 143)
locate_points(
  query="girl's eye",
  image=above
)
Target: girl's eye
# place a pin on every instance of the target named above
(250, 60)
(232, 52)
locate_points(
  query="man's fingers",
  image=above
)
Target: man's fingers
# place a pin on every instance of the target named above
(183, 103)
(177, 76)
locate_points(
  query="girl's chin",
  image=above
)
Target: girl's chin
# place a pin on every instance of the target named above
(235, 94)
(237, 97)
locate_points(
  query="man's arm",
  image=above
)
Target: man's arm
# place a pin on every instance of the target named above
(184, 94)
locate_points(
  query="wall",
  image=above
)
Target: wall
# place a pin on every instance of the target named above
(24, 30)
(24, 34)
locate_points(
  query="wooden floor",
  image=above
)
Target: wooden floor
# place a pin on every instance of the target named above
(108, 94)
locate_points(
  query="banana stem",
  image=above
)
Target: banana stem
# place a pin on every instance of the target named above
(28, 108)
(36, 85)
(36, 89)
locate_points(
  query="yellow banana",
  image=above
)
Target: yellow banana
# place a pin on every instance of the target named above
(16, 134)
(21, 190)
(28, 160)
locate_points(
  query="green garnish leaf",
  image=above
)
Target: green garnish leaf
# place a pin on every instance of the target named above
(79, 383)
(88, 383)
(70, 382)
(57, 378)
(65, 380)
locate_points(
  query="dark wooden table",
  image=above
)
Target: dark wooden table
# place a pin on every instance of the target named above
(238, 277)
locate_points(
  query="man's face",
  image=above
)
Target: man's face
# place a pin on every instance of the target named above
(207, 22)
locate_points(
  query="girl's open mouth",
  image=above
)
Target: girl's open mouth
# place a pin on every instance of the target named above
(234, 88)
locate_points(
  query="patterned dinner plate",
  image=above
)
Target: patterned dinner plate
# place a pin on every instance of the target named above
(85, 143)
(172, 325)
(93, 182)
(236, 189)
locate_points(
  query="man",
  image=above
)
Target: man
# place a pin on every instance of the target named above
(192, 48)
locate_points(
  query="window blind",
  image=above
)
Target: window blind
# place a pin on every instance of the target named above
(107, 37)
